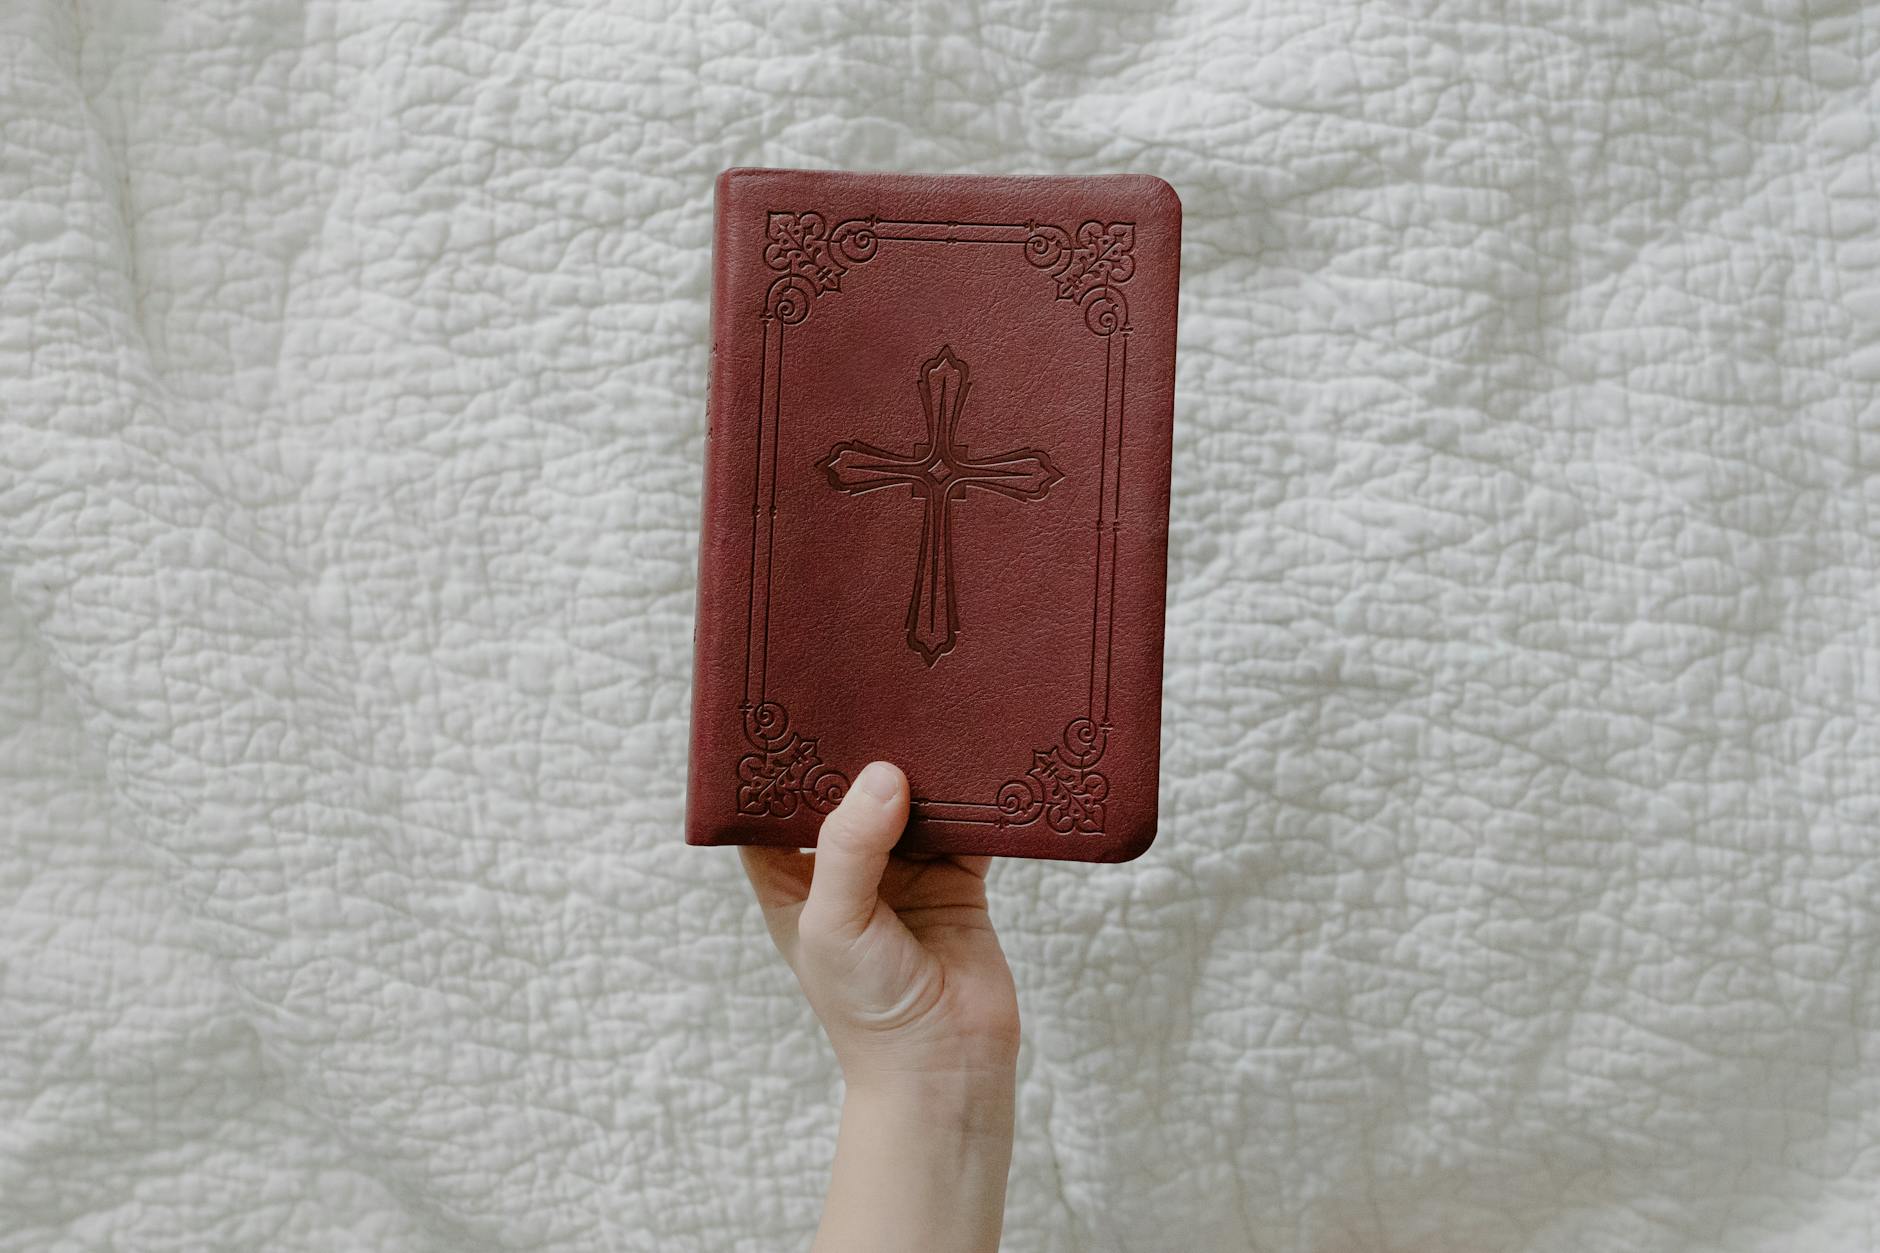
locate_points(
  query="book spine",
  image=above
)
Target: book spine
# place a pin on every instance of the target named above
(713, 705)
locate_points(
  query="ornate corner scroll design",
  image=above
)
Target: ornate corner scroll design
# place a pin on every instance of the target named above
(785, 773)
(1090, 269)
(813, 258)
(1063, 786)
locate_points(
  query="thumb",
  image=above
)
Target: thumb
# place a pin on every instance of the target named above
(852, 852)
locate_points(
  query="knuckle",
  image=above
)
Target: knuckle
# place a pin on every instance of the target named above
(850, 826)
(837, 829)
(843, 830)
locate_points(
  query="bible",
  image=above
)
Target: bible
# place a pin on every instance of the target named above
(935, 512)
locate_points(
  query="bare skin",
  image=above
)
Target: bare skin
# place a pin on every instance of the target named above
(898, 958)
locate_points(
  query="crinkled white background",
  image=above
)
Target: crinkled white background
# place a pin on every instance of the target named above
(1517, 886)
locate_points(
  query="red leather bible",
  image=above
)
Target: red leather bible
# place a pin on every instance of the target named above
(935, 522)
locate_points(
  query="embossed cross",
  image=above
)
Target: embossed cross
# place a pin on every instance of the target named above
(939, 472)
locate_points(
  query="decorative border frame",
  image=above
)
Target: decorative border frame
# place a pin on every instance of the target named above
(1062, 786)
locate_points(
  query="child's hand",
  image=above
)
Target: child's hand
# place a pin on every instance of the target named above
(897, 956)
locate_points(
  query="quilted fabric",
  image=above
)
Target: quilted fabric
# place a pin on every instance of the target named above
(1517, 886)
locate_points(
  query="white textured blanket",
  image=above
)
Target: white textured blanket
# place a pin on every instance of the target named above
(1518, 887)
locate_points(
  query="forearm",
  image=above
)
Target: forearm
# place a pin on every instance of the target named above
(921, 1165)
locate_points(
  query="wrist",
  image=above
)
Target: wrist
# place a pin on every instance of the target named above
(925, 1061)
(921, 1163)
(975, 1101)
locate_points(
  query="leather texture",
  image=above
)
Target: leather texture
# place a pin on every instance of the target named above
(935, 518)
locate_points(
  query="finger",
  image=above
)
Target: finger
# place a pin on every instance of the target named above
(852, 851)
(976, 866)
(779, 876)
(780, 879)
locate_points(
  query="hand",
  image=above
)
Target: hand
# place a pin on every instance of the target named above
(897, 956)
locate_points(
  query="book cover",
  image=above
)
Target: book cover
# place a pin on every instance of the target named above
(935, 513)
